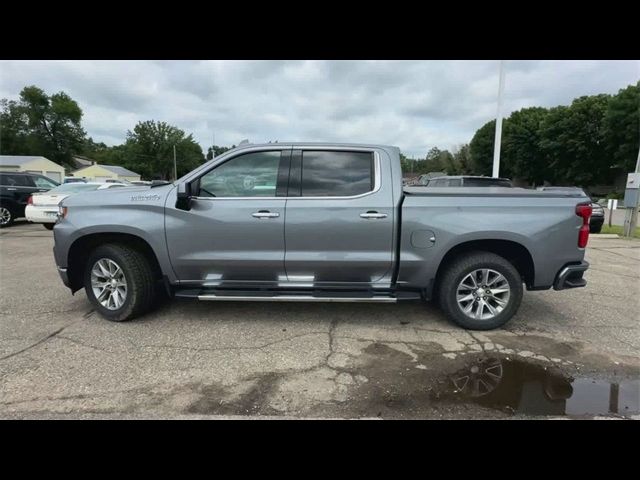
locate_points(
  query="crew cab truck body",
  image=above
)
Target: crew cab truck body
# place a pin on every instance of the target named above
(320, 222)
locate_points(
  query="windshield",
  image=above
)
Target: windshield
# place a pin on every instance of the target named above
(73, 188)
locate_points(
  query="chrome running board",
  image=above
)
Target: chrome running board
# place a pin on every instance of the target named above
(294, 298)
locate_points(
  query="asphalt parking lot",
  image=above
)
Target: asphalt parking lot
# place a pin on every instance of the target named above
(574, 352)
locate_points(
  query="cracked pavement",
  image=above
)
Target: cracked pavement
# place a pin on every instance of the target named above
(194, 360)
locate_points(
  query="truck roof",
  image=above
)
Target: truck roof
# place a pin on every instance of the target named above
(316, 144)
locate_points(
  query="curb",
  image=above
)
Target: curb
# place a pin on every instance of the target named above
(604, 235)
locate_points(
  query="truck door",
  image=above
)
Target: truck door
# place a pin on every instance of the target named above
(339, 218)
(233, 235)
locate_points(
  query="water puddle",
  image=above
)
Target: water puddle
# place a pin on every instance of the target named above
(520, 387)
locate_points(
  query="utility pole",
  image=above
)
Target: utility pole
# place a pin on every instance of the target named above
(631, 217)
(498, 138)
(175, 165)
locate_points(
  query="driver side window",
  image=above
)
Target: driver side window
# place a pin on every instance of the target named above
(250, 175)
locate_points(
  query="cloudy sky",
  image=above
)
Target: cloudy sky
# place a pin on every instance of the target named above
(412, 104)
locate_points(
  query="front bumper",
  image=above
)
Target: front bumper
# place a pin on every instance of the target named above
(570, 276)
(64, 276)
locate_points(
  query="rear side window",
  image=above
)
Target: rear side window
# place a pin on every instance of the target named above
(42, 182)
(15, 180)
(336, 174)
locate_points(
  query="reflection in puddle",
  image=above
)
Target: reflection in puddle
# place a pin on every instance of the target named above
(530, 389)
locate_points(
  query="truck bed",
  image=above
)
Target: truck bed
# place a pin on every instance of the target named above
(485, 192)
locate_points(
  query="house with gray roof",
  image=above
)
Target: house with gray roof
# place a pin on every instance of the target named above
(32, 164)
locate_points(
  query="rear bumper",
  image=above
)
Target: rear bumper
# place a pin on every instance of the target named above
(38, 214)
(570, 276)
(596, 221)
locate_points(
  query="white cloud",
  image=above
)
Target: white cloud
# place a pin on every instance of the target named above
(412, 104)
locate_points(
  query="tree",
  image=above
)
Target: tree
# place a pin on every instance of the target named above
(521, 154)
(149, 150)
(13, 129)
(622, 127)
(481, 149)
(462, 158)
(39, 124)
(209, 153)
(573, 140)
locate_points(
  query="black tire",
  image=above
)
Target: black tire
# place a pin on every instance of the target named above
(457, 270)
(48, 226)
(597, 229)
(141, 286)
(4, 211)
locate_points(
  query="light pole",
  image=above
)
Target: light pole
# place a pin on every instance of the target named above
(498, 137)
(175, 165)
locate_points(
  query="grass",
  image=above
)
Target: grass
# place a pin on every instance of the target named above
(619, 229)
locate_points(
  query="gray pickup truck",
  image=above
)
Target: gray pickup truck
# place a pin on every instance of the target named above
(319, 222)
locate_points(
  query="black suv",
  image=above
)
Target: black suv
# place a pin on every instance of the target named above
(15, 190)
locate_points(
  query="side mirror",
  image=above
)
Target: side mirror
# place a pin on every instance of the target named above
(183, 201)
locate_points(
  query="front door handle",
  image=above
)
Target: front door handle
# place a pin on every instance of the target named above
(265, 214)
(371, 214)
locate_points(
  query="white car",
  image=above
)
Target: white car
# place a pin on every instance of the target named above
(43, 207)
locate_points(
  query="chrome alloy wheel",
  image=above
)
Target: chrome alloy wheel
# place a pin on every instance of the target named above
(483, 294)
(5, 215)
(108, 283)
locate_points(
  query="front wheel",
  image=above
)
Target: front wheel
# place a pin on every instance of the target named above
(480, 291)
(119, 282)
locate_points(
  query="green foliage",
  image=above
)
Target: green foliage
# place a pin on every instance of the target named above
(622, 127)
(39, 124)
(572, 141)
(521, 155)
(149, 150)
(462, 159)
(481, 149)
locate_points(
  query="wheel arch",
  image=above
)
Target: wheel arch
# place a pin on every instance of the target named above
(514, 252)
(82, 247)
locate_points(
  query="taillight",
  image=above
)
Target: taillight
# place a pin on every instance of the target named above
(30, 200)
(584, 210)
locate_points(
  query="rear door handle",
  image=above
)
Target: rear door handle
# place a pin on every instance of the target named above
(373, 215)
(265, 214)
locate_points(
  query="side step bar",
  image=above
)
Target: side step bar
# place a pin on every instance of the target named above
(294, 298)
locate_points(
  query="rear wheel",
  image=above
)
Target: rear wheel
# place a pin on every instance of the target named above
(119, 282)
(48, 226)
(595, 229)
(7, 216)
(480, 291)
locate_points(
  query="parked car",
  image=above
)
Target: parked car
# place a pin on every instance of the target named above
(597, 213)
(43, 207)
(336, 225)
(74, 180)
(15, 189)
(465, 181)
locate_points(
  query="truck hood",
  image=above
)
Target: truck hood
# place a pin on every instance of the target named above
(120, 196)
